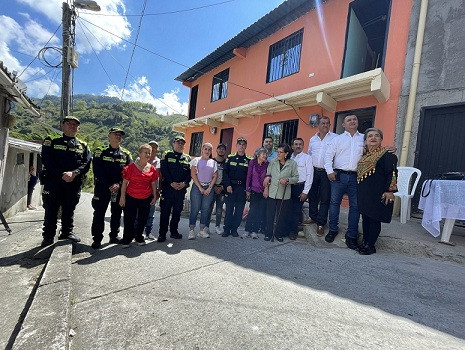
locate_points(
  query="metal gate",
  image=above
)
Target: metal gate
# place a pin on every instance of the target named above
(441, 143)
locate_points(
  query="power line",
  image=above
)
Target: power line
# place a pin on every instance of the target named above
(195, 70)
(133, 49)
(56, 30)
(95, 53)
(121, 65)
(159, 13)
(43, 75)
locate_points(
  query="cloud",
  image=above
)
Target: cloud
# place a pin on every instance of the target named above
(139, 90)
(96, 37)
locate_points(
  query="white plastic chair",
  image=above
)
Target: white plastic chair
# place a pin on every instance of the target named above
(404, 193)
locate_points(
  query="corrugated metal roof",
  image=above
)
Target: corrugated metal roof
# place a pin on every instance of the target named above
(281, 16)
(24, 145)
(15, 89)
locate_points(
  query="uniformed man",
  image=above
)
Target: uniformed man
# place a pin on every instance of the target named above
(108, 163)
(176, 176)
(66, 160)
(234, 177)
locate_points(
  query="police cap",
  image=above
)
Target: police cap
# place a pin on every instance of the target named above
(71, 117)
(116, 129)
(241, 139)
(179, 138)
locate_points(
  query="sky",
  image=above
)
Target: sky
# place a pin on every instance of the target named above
(174, 35)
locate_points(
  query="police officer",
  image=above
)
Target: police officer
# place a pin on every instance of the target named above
(108, 163)
(234, 177)
(66, 160)
(176, 176)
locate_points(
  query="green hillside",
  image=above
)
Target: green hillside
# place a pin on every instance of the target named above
(98, 114)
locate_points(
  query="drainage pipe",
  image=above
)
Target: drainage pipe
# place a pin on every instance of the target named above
(413, 83)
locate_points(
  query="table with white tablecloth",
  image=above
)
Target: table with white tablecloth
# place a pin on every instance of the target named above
(442, 199)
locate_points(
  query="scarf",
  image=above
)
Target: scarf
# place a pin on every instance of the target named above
(367, 164)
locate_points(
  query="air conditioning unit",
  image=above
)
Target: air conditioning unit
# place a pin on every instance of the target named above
(73, 57)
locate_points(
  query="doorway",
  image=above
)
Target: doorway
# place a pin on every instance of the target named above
(226, 137)
(440, 144)
(366, 119)
(366, 36)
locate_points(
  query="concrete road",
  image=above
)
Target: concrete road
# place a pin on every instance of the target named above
(229, 293)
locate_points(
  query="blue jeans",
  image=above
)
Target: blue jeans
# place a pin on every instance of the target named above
(345, 184)
(200, 202)
(149, 223)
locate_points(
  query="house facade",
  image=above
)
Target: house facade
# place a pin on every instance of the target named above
(304, 59)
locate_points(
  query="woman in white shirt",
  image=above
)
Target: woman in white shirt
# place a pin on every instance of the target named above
(204, 173)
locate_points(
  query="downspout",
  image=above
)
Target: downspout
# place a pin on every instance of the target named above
(413, 83)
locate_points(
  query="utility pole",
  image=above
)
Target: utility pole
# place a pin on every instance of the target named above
(65, 69)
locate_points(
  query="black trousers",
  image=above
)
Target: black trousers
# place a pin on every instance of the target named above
(135, 208)
(371, 230)
(218, 201)
(100, 204)
(295, 215)
(235, 203)
(171, 203)
(257, 213)
(277, 210)
(58, 193)
(320, 193)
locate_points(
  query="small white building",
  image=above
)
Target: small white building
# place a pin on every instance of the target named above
(14, 167)
(21, 155)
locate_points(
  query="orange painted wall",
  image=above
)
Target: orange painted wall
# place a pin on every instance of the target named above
(321, 57)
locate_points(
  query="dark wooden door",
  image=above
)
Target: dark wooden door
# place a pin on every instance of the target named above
(441, 143)
(227, 138)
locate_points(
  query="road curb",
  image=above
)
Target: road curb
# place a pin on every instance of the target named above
(46, 325)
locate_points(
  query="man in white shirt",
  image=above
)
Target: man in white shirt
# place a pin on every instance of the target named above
(341, 160)
(320, 192)
(299, 191)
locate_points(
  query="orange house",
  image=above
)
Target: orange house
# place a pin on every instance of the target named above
(304, 59)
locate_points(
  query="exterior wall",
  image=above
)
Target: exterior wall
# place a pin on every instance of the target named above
(441, 78)
(321, 57)
(14, 190)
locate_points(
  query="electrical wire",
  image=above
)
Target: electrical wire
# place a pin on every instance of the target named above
(195, 70)
(41, 56)
(133, 49)
(43, 75)
(56, 30)
(122, 66)
(159, 13)
(95, 53)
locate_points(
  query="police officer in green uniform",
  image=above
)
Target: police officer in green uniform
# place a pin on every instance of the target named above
(108, 163)
(66, 160)
(176, 176)
(234, 177)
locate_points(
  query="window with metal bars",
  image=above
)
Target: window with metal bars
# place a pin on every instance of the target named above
(196, 144)
(281, 132)
(284, 57)
(220, 85)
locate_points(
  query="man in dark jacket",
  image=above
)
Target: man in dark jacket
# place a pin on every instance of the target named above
(108, 164)
(176, 176)
(66, 160)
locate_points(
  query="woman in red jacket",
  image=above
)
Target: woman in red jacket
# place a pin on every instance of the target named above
(138, 192)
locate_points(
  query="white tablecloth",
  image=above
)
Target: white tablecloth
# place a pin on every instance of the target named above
(445, 200)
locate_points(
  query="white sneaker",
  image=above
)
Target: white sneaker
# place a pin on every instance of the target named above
(191, 234)
(219, 230)
(150, 237)
(254, 235)
(245, 235)
(204, 234)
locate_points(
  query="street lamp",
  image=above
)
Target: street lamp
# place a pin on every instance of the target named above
(68, 24)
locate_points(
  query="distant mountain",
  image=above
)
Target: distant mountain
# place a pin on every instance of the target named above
(98, 114)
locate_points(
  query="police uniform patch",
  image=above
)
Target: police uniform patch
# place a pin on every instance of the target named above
(97, 153)
(47, 143)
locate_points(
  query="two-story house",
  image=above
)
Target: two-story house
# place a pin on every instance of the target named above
(303, 59)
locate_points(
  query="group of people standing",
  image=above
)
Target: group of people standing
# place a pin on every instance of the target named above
(276, 183)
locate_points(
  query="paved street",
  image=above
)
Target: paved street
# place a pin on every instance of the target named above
(227, 293)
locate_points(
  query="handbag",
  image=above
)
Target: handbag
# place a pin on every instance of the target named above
(453, 175)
